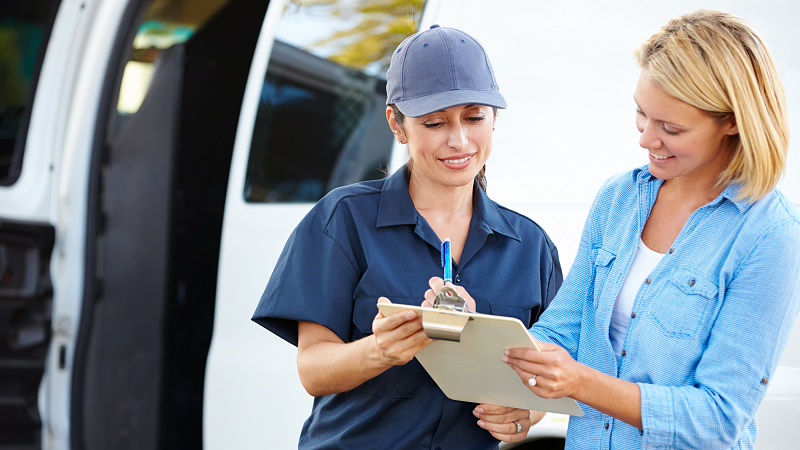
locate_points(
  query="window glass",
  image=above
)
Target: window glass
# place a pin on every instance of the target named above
(321, 120)
(24, 28)
(165, 23)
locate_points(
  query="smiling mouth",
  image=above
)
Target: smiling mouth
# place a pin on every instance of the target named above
(659, 157)
(457, 161)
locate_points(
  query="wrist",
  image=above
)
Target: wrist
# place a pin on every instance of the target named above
(584, 379)
(376, 359)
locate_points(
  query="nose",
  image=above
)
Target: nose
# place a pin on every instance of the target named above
(648, 138)
(457, 137)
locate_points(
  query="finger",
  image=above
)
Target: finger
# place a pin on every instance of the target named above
(547, 347)
(525, 377)
(527, 354)
(393, 321)
(506, 415)
(429, 296)
(487, 408)
(382, 300)
(465, 295)
(507, 431)
(406, 348)
(436, 284)
(528, 366)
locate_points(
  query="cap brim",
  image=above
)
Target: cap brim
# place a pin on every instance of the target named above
(421, 106)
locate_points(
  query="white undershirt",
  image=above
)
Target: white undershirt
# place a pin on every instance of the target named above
(643, 264)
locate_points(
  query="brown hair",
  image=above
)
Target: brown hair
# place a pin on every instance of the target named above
(400, 117)
(717, 63)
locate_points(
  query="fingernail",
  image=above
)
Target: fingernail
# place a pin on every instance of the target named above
(505, 359)
(479, 410)
(506, 352)
(410, 314)
(475, 413)
(481, 423)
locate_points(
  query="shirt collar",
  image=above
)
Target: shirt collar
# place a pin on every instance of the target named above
(397, 208)
(643, 175)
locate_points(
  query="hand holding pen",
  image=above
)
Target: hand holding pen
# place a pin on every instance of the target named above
(445, 287)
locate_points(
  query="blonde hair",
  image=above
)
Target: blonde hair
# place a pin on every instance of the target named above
(717, 63)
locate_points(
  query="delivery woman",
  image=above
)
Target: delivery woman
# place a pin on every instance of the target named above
(381, 239)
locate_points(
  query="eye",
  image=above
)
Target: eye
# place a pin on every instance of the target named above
(476, 119)
(640, 112)
(433, 125)
(669, 132)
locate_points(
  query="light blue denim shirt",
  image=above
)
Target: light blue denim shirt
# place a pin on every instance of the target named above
(708, 326)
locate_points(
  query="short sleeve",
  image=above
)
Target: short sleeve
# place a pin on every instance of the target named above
(311, 259)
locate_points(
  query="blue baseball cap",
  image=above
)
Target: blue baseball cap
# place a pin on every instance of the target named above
(440, 68)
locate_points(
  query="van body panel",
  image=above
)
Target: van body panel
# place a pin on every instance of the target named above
(568, 128)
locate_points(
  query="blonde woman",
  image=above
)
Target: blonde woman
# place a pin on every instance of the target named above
(681, 299)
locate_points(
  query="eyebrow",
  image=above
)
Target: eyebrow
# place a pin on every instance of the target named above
(683, 127)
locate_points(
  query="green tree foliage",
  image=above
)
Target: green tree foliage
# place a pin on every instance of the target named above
(381, 25)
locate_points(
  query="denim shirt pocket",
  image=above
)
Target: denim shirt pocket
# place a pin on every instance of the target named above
(523, 314)
(680, 309)
(398, 381)
(602, 266)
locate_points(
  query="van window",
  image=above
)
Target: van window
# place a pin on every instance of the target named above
(321, 120)
(24, 31)
(164, 24)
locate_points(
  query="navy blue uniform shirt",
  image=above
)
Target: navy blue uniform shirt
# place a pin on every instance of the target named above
(367, 240)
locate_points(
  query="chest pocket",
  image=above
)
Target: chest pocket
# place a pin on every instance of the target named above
(602, 266)
(399, 381)
(686, 299)
(523, 314)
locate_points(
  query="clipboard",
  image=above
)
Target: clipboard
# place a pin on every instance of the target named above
(465, 361)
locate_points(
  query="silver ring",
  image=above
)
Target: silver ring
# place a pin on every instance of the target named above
(519, 427)
(532, 380)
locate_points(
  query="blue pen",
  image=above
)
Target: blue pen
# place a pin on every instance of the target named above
(447, 258)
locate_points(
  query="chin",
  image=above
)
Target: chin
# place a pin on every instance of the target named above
(659, 172)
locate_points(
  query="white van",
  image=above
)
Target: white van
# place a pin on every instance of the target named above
(156, 154)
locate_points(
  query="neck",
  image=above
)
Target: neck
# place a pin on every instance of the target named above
(445, 203)
(695, 190)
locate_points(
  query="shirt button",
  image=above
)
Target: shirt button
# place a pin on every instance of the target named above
(458, 278)
(764, 380)
(691, 282)
(633, 315)
(647, 281)
(623, 353)
(606, 426)
(671, 250)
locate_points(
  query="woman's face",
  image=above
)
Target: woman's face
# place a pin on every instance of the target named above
(682, 141)
(448, 147)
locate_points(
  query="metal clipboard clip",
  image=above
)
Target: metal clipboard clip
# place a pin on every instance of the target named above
(446, 327)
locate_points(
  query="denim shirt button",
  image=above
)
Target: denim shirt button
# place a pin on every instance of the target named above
(606, 426)
(633, 315)
(764, 380)
(647, 281)
(671, 250)
(691, 282)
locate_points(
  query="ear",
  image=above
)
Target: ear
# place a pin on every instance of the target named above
(733, 128)
(397, 130)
